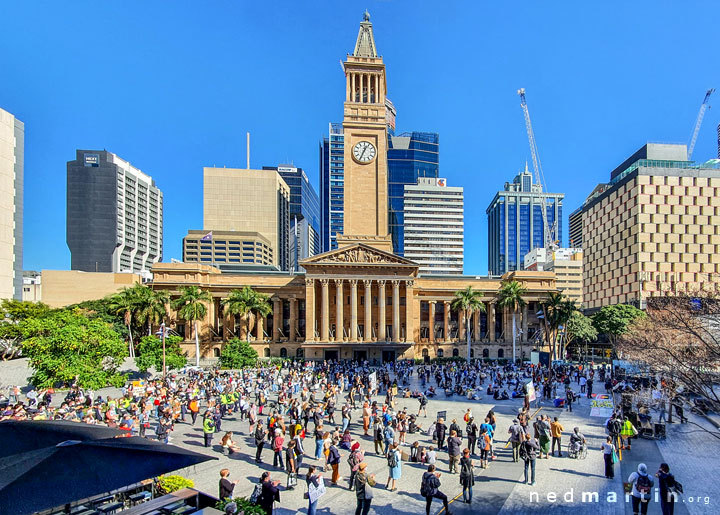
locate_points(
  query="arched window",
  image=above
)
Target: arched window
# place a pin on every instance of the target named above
(300, 353)
(440, 353)
(456, 353)
(425, 353)
(267, 352)
(216, 352)
(486, 353)
(472, 353)
(283, 352)
(501, 353)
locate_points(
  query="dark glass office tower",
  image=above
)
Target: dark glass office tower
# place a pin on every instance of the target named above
(332, 186)
(410, 155)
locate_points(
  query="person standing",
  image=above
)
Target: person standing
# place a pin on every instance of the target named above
(531, 448)
(641, 489)
(363, 489)
(312, 479)
(270, 493)
(516, 438)
(544, 431)
(484, 448)
(454, 444)
(277, 447)
(226, 486)
(556, 430)
(430, 489)
(467, 476)
(441, 430)
(389, 436)
(208, 428)
(260, 433)
(319, 440)
(378, 436)
(627, 433)
(194, 408)
(394, 467)
(608, 450)
(333, 459)
(668, 487)
(291, 465)
(472, 434)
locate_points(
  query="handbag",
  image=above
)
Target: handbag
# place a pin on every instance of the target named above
(614, 456)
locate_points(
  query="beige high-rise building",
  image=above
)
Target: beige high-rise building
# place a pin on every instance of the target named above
(227, 250)
(567, 263)
(246, 200)
(12, 144)
(365, 138)
(654, 230)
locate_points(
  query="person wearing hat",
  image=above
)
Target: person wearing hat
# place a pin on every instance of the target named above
(277, 446)
(642, 486)
(354, 460)
(363, 484)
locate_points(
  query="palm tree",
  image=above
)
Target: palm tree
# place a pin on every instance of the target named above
(191, 306)
(125, 303)
(510, 296)
(153, 309)
(551, 314)
(246, 303)
(468, 300)
(566, 311)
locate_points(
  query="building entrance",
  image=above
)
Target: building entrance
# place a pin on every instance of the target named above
(331, 354)
(388, 355)
(360, 355)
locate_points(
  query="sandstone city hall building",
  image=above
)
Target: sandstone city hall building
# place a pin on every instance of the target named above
(360, 301)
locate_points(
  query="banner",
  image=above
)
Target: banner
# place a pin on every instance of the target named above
(530, 391)
(315, 492)
(373, 381)
(601, 405)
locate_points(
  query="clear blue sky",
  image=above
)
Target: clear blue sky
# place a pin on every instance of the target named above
(174, 86)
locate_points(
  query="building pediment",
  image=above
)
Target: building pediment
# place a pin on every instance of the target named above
(358, 254)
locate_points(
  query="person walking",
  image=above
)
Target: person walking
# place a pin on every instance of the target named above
(556, 430)
(668, 489)
(208, 428)
(641, 489)
(467, 476)
(394, 467)
(516, 438)
(608, 449)
(530, 456)
(260, 433)
(311, 478)
(627, 433)
(454, 444)
(363, 489)
(430, 489)
(484, 448)
(333, 459)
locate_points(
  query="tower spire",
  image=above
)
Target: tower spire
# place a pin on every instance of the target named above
(365, 44)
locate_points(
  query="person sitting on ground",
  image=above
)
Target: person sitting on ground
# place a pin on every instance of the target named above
(228, 444)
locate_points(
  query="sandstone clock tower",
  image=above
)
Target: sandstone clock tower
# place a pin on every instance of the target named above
(365, 131)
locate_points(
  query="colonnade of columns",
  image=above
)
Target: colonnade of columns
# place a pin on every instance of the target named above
(365, 87)
(342, 285)
(475, 322)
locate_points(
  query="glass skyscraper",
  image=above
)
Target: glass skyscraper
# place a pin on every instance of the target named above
(332, 186)
(410, 155)
(515, 222)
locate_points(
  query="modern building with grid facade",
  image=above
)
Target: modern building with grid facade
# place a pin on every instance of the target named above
(654, 230)
(227, 250)
(515, 222)
(114, 215)
(12, 145)
(434, 226)
(244, 200)
(567, 265)
(332, 186)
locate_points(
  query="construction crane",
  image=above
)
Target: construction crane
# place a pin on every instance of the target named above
(549, 232)
(698, 122)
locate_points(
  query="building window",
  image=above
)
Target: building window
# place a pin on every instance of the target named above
(501, 353)
(456, 353)
(266, 352)
(216, 352)
(486, 353)
(440, 353)
(283, 352)
(300, 353)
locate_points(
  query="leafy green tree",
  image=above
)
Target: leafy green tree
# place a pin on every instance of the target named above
(191, 305)
(614, 321)
(247, 303)
(237, 354)
(102, 309)
(468, 300)
(12, 314)
(510, 296)
(579, 329)
(151, 353)
(153, 308)
(66, 346)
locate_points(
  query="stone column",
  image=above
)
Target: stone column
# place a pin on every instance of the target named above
(396, 311)
(339, 321)
(367, 336)
(277, 319)
(353, 311)
(476, 325)
(325, 301)
(381, 311)
(347, 86)
(352, 87)
(446, 319)
(409, 305)
(491, 321)
(461, 326)
(432, 321)
(309, 310)
(524, 336)
(293, 319)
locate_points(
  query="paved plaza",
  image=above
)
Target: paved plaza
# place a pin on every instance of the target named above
(498, 490)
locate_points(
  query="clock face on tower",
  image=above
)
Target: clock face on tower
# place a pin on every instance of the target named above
(364, 152)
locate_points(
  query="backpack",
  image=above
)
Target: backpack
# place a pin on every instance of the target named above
(256, 493)
(466, 418)
(392, 459)
(644, 485)
(426, 489)
(523, 452)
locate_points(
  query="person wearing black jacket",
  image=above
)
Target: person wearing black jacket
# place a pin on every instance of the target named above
(226, 486)
(667, 482)
(260, 433)
(270, 493)
(441, 429)
(429, 488)
(472, 435)
(531, 449)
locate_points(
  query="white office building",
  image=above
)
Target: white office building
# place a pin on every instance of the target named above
(434, 230)
(12, 144)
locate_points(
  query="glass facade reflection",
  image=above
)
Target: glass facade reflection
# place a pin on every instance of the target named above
(332, 186)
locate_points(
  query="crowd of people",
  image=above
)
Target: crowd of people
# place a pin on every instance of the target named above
(287, 407)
